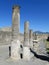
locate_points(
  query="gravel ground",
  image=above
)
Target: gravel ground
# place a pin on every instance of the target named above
(5, 60)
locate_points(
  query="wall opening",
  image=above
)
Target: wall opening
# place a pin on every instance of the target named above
(21, 55)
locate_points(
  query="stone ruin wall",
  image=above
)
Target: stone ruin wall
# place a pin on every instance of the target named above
(6, 36)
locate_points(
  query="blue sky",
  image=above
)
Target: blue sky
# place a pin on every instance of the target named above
(35, 11)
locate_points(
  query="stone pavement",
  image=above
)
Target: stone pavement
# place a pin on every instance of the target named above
(5, 60)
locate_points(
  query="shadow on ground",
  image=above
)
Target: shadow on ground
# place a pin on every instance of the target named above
(42, 57)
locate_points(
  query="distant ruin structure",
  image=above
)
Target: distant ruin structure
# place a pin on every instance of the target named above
(20, 45)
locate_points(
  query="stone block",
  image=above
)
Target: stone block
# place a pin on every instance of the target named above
(15, 49)
(26, 53)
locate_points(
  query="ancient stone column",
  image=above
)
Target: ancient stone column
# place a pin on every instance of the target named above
(31, 38)
(35, 36)
(26, 33)
(15, 22)
(15, 44)
(26, 49)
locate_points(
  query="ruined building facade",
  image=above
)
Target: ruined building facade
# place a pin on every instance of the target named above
(7, 33)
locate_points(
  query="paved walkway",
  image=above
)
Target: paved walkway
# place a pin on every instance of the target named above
(5, 60)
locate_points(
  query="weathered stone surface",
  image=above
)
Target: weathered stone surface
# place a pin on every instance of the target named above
(36, 46)
(26, 33)
(31, 38)
(5, 37)
(15, 45)
(35, 36)
(15, 49)
(15, 22)
(26, 53)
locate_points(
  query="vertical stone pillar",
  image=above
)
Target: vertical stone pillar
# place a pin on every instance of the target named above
(15, 22)
(26, 33)
(35, 36)
(31, 38)
(15, 44)
(26, 49)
